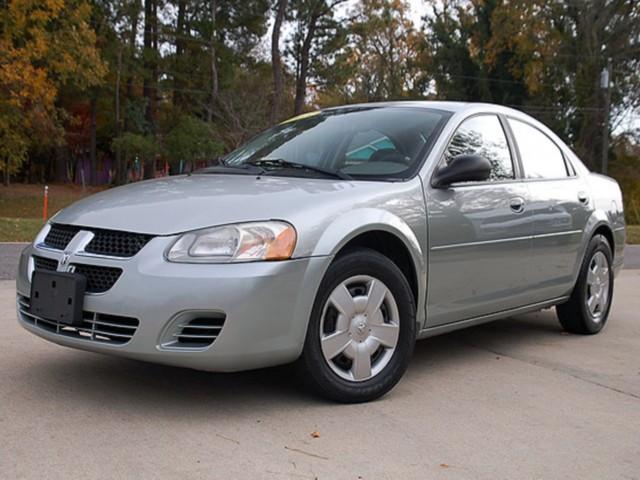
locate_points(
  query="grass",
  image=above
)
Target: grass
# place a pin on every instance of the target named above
(21, 208)
(19, 229)
(633, 234)
(25, 201)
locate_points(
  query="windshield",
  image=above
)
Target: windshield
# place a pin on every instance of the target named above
(371, 142)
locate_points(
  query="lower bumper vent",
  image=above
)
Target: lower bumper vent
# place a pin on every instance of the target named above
(96, 327)
(198, 332)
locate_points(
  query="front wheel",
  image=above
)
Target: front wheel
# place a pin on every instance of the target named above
(587, 310)
(362, 329)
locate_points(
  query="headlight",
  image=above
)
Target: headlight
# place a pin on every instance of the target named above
(242, 242)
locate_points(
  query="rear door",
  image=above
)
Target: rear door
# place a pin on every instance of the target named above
(560, 207)
(479, 232)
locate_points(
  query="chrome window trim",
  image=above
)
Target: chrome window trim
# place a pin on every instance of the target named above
(508, 181)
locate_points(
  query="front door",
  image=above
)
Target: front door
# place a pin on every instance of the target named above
(479, 232)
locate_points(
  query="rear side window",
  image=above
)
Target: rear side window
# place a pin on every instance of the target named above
(541, 157)
(483, 135)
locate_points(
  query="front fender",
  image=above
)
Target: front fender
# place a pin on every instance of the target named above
(358, 221)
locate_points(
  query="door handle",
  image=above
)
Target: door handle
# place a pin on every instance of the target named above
(583, 198)
(516, 205)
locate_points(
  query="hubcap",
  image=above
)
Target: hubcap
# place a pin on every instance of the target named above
(359, 328)
(598, 286)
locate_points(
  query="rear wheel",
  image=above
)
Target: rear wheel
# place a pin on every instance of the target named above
(587, 310)
(362, 329)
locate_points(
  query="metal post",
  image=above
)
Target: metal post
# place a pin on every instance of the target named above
(45, 204)
(605, 84)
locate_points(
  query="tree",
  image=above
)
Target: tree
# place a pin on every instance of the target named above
(191, 140)
(276, 61)
(150, 78)
(13, 146)
(314, 21)
(456, 59)
(45, 45)
(379, 57)
(560, 56)
(135, 147)
(626, 170)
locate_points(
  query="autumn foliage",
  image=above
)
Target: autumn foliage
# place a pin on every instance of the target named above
(116, 90)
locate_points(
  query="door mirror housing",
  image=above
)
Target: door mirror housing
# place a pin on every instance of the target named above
(462, 168)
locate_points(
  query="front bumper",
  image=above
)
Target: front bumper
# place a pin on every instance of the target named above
(267, 307)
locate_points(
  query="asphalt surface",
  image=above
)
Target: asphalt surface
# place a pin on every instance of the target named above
(9, 253)
(515, 399)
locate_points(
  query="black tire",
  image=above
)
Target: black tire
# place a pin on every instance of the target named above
(315, 370)
(574, 315)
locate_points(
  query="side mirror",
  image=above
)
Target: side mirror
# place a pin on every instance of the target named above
(463, 168)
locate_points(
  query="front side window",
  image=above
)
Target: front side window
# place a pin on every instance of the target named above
(483, 135)
(541, 157)
(363, 142)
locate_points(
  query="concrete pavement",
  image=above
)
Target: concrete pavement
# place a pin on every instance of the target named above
(9, 253)
(516, 399)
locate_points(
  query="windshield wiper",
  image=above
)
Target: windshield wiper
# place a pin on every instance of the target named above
(281, 163)
(224, 167)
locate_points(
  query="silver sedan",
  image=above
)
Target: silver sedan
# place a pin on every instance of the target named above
(333, 240)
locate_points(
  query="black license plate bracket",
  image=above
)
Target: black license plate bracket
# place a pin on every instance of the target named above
(58, 296)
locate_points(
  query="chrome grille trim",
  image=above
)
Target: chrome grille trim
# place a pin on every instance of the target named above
(94, 328)
(196, 333)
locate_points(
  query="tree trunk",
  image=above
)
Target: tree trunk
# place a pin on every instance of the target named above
(301, 81)
(276, 61)
(118, 130)
(213, 6)
(178, 81)
(93, 161)
(148, 60)
(150, 72)
(133, 33)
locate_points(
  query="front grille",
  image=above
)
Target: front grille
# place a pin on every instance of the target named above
(111, 243)
(60, 235)
(199, 332)
(42, 263)
(117, 244)
(96, 327)
(99, 279)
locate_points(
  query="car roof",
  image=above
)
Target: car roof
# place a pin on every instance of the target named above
(448, 106)
(462, 109)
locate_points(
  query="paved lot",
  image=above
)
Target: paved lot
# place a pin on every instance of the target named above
(9, 253)
(513, 399)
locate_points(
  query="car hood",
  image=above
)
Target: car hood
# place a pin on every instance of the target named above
(177, 204)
